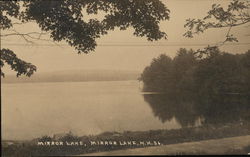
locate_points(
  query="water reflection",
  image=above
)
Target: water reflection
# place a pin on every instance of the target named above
(187, 110)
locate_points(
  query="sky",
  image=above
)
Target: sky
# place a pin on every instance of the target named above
(120, 50)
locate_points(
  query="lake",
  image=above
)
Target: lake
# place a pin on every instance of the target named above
(31, 110)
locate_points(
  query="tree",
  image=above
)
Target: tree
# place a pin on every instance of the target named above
(184, 64)
(218, 73)
(64, 21)
(157, 77)
(221, 73)
(236, 14)
(170, 75)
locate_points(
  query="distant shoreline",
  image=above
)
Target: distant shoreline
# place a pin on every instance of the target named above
(74, 76)
(26, 82)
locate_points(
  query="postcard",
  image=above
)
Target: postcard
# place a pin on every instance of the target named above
(127, 77)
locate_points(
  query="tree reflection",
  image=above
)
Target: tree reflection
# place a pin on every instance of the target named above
(212, 109)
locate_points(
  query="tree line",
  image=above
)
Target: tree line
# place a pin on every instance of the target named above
(218, 73)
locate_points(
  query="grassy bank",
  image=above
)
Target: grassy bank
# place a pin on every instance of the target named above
(245, 150)
(31, 148)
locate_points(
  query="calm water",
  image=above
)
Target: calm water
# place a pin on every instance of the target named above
(32, 110)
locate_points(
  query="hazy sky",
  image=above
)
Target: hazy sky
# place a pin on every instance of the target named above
(47, 56)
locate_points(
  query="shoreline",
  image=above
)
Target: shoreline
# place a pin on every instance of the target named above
(223, 146)
(165, 137)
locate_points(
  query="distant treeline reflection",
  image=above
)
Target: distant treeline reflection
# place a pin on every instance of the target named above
(214, 90)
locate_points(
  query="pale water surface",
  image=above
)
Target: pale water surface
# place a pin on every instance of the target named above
(31, 110)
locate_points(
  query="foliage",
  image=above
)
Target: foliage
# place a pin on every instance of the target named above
(65, 20)
(219, 73)
(222, 73)
(213, 90)
(8, 9)
(165, 74)
(159, 69)
(236, 14)
(16, 64)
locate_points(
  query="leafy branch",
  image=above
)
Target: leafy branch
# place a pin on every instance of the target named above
(16, 64)
(64, 20)
(236, 14)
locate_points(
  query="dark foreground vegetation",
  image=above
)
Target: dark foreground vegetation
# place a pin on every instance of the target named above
(188, 134)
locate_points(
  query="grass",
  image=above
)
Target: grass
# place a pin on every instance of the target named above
(30, 148)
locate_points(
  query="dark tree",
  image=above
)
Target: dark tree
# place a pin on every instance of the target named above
(65, 20)
(185, 74)
(157, 77)
(168, 75)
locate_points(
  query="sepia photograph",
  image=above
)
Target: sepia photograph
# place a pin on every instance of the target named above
(125, 77)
